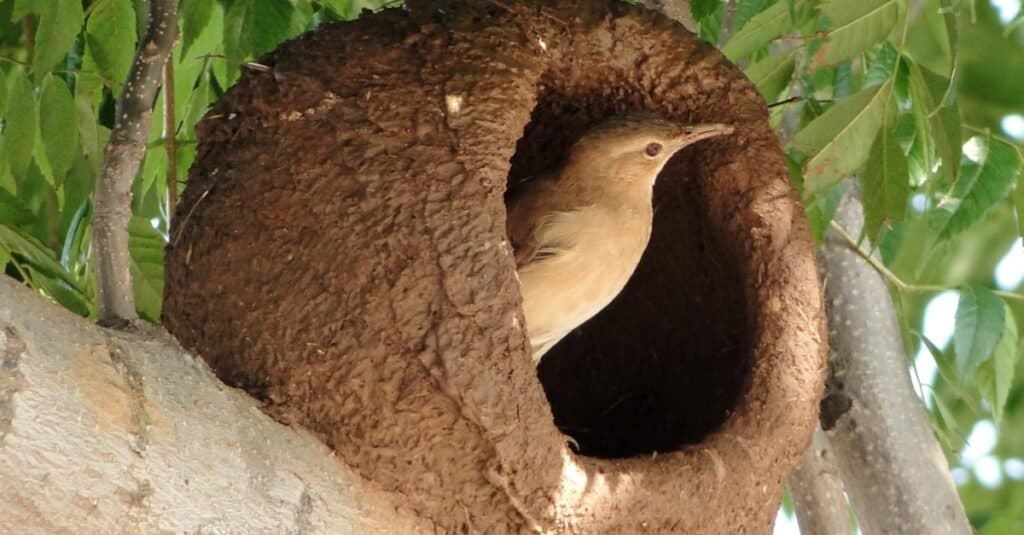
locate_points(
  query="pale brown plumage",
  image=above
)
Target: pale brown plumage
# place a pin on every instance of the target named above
(578, 231)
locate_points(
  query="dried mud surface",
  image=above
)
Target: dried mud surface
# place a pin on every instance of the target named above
(340, 253)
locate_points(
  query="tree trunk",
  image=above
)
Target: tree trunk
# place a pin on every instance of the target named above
(110, 432)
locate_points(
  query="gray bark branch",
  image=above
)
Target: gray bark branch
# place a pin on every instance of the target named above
(116, 432)
(817, 490)
(894, 471)
(112, 197)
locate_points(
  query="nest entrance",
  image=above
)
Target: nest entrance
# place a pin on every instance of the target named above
(665, 364)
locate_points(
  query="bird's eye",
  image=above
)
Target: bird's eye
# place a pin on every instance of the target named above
(652, 149)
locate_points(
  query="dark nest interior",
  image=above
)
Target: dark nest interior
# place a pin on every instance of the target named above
(666, 363)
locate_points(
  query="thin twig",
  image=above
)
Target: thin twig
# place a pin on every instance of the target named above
(894, 279)
(30, 36)
(789, 100)
(121, 160)
(169, 135)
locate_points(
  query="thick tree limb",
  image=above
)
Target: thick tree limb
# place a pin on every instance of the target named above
(113, 432)
(817, 490)
(121, 159)
(894, 471)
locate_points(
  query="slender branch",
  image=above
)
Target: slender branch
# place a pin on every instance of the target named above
(121, 160)
(817, 490)
(29, 32)
(893, 469)
(170, 135)
(894, 279)
(730, 13)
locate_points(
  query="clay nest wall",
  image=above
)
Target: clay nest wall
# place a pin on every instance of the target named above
(340, 253)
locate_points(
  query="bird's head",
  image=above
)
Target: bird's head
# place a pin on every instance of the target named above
(636, 146)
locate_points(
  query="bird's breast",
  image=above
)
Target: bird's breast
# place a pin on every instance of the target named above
(563, 291)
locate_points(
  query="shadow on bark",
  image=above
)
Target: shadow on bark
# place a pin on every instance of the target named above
(340, 253)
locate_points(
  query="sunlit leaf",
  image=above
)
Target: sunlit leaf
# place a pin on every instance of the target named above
(195, 16)
(927, 89)
(989, 170)
(995, 376)
(20, 129)
(856, 25)
(58, 125)
(772, 74)
(928, 40)
(980, 321)
(765, 26)
(886, 184)
(110, 35)
(59, 24)
(838, 142)
(1018, 202)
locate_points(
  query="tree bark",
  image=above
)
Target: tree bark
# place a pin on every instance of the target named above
(116, 432)
(112, 197)
(817, 490)
(894, 471)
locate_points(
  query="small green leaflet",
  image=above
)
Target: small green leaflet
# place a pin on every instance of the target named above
(857, 26)
(885, 181)
(147, 251)
(772, 74)
(943, 124)
(20, 130)
(58, 126)
(110, 36)
(1018, 202)
(765, 26)
(980, 321)
(995, 376)
(59, 24)
(838, 141)
(988, 171)
(195, 16)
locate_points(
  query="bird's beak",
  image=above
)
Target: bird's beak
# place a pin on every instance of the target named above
(694, 133)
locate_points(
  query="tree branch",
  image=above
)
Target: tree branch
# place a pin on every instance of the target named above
(817, 490)
(894, 471)
(121, 159)
(104, 431)
(170, 135)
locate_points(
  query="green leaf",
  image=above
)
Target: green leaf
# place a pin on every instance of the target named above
(59, 24)
(995, 376)
(58, 125)
(3, 90)
(838, 141)
(195, 16)
(885, 181)
(944, 119)
(856, 25)
(928, 40)
(147, 252)
(20, 130)
(1018, 203)
(772, 74)
(110, 36)
(989, 170)
(746, 10)
(980, 320)
(700, 9)
(12, 212)
(765, 26)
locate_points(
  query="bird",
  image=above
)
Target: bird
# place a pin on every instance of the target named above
(578, 231)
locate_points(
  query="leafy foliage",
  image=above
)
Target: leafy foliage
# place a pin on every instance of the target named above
(870, 89)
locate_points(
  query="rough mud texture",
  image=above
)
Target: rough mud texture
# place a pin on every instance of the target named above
(340, 253)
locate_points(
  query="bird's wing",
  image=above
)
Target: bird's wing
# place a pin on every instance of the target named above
(542, 240)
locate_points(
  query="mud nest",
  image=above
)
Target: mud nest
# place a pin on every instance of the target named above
(340, 253)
